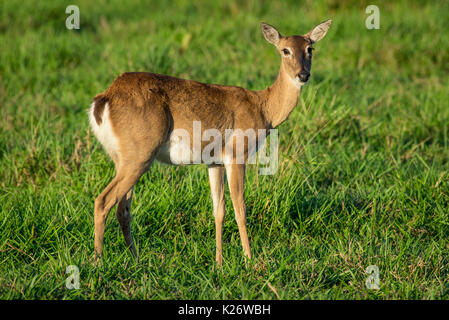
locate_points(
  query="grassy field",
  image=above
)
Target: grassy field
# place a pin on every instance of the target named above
(363, 174)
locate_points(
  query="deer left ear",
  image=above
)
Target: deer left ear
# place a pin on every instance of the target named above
(270, 33)
(318, 33)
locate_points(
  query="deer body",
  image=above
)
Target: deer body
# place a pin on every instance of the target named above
(136, 117)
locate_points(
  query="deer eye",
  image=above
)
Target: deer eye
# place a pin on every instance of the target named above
(286, 52)
(309, 50)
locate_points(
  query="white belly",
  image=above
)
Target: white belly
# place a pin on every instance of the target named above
(176, 152)
(179, 151)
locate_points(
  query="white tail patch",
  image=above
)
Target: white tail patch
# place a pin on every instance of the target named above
(104, 132)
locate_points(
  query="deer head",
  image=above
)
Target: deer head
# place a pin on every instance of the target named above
(296, 51)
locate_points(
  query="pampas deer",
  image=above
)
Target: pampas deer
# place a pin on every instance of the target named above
(136, 117)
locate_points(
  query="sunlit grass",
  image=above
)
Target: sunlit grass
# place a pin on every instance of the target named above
(363, 172)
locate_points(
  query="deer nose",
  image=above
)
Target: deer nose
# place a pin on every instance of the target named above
(303, 76)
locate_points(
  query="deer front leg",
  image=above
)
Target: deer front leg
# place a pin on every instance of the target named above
(236, 179)
(216, 180)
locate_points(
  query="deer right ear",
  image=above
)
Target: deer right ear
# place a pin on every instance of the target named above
(270, 33)
(318, 33)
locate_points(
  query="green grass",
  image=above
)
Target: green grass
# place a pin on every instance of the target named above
(363, 173)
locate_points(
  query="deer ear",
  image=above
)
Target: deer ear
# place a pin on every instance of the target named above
(270, 33)
(318, 33)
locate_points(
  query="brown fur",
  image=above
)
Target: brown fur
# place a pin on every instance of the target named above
(99, 101)
(144, 108)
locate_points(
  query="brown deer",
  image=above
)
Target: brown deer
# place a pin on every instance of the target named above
(136, 117)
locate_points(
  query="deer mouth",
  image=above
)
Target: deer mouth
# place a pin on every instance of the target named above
(298, 82)
(303, 76)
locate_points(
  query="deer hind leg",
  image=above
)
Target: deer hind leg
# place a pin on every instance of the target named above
(132, 136)
(127, 176)
(216, 180)
(124, 218)
(236, 177)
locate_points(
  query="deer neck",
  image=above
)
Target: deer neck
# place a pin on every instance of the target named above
(280, 98)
